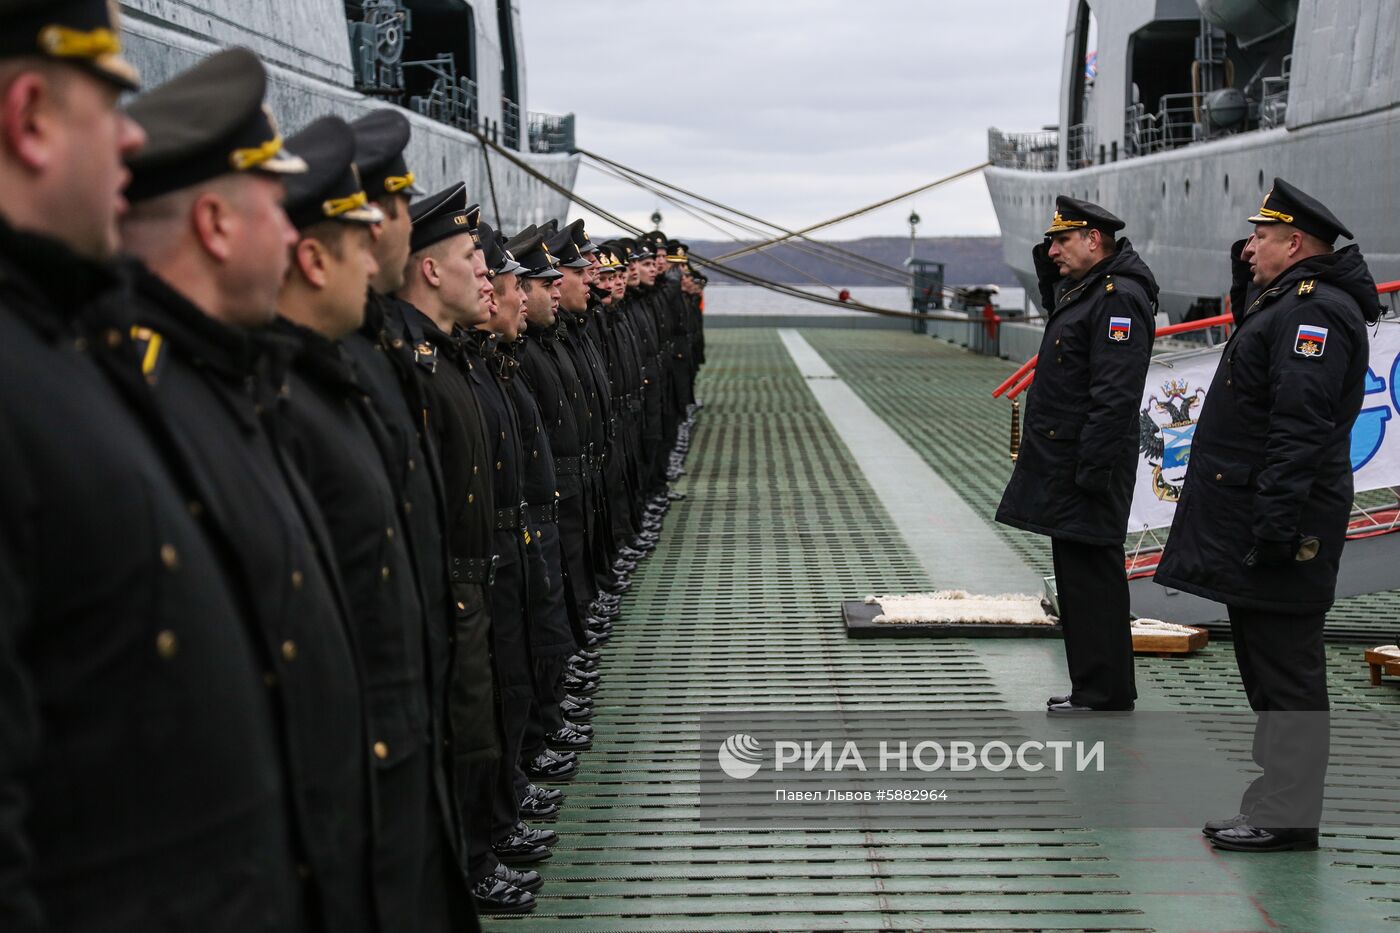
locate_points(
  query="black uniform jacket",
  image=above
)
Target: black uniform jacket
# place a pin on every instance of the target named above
(341, 447)
(387, 363)
(141, 784)
(455, 424)
(210, 383)
(542, 371)
(1079, 446)
(1271, 454)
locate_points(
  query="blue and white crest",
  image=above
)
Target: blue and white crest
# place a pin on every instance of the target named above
(1166, 428)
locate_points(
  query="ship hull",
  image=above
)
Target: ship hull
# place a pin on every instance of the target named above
(306, 50)
(1185, 207)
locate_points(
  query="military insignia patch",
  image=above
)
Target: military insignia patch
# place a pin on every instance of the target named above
(1311, 340)
(1120, 328)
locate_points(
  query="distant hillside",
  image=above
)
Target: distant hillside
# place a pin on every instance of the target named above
(970, 260)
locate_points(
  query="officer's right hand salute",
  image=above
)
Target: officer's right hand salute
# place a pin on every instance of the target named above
(1240, 276)
(1047, 275)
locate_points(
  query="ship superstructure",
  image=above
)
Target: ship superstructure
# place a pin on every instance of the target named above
(1178, 114)
(457, 67)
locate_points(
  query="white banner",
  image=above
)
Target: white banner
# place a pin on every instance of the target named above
(1175, 395)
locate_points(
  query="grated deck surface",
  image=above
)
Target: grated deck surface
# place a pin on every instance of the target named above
(739, 608)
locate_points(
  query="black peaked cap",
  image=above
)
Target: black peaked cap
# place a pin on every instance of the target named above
(499, 261)
(205, 122)
(565, 250)
(330, 189)
(580, 237)
(381, 136)
(529, 249)
(1073, 214)
(1286, 204)
(82, 33)
(441, 215)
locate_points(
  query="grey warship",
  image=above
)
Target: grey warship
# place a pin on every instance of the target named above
(1179, 113)
(456, 66)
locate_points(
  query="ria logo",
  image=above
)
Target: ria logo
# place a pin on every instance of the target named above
(740, 756)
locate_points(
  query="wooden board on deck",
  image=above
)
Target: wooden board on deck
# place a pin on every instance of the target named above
(1147, 640)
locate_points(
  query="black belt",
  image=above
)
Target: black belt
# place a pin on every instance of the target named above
(474, 570)
(568, 466)
(544, 514)
(511, 519)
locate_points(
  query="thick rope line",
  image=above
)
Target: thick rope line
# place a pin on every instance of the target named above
(855, 213)
(700, 215)
(873, 265)
(778, 287)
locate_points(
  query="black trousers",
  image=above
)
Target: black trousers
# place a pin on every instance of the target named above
(476, 788)
(1094, 612)
(516, 684)
(1283, 664)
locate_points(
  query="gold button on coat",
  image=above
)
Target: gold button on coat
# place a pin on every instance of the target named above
(167, 645)
(297, 579)
(289, 650)
(381, 751)
(169, 556)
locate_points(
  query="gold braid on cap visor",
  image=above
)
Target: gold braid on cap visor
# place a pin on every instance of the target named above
(337, 206)
(62, 42)
(396, 183)
(244, 159)
(1058, 223)
(1276, 215)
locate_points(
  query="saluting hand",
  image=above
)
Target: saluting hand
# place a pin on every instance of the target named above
(1047, 274)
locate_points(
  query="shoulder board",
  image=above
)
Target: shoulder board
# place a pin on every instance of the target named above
(1307, 286)
(150, 350)
(1108, 285)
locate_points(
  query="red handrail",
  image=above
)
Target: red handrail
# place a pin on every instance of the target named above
(1021, 379)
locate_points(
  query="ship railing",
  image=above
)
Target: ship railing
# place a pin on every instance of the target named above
(551, 132)
(1176, 123)
(510, 123)
(1029, 152)
(1079, 146)
(451, 100)
(1273, 101)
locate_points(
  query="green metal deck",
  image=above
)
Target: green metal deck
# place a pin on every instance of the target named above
(739, 609)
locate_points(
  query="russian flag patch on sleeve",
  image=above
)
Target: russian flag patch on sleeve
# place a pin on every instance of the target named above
(1311, 340)
(1120, 328)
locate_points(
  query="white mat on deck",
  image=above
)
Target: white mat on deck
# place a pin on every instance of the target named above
(954, 606)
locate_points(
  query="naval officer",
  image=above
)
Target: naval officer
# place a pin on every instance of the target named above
(1264, 510)
(1074, 478)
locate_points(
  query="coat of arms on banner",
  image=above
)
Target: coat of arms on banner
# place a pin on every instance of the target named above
(1165, 427)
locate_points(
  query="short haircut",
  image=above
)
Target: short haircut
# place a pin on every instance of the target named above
(330, 234)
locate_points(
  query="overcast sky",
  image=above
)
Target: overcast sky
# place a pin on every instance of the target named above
(797, 110)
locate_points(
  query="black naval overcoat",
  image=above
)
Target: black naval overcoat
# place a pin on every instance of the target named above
(339, 444)
(210, 382)
(1271, 454)
(385, 365)
(141, 784)
(457, 427)
(1079, 444)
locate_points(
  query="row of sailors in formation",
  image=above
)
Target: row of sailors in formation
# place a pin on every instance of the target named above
(302, 593)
